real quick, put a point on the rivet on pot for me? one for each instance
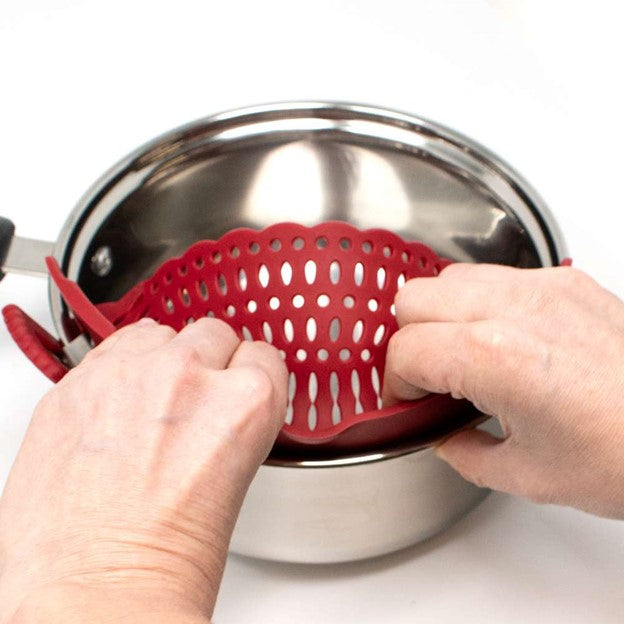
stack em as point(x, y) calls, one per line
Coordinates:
point(102, 261)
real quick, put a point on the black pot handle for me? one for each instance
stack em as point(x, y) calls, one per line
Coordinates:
point(7, 229)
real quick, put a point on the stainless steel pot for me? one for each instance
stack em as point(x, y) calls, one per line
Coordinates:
point(307, 162)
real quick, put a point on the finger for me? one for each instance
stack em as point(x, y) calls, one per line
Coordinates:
point(460, 297)
point(213, 340)
point(396, 388)
point(140, 337)
point(479, 457)
point(481, 272)
point(497, 464)
point(492, 363)
point(262, 355)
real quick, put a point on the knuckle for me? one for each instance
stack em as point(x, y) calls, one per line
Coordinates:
point(215, 326)
point(537, 297)
point(165, 331)
point(491, 338)
point(457, 269)
point(574, 278)
point(270, 355)
point(259, 348)
point(254, 396)
point(128, 330)
point(506, 345)
point(180, 358)
point(258, 386)
point(154, 333)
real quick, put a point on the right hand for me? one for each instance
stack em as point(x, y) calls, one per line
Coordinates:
point(542, 350)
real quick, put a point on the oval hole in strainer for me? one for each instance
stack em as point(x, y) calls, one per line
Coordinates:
point(309, 271)
point(292, 390)
point(355, 388)
point(379, 334)
point(242, 279)
point(289, 331)
point(376, 384)
point(358, 330)
point(358, 273)
point(334, 390)
point(286, 273)
point(221, 284)
point(334, 272)
point(185, 297)
point(381, 278)
point(311, 329)
point(263, 275)
point(334, 329)
point(202, 290)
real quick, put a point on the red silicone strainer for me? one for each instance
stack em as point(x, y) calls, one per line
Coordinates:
point(322, 295)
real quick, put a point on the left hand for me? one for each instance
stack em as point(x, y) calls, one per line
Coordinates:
point(125, 491)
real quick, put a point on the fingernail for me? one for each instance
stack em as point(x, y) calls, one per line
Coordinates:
point(439, 451)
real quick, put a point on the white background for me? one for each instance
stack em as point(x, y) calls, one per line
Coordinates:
point(541, 83)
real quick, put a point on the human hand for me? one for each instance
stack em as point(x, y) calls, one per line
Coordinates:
point(540, 349)
point(124, 494)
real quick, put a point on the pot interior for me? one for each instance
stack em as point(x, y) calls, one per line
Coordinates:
point(363, 168)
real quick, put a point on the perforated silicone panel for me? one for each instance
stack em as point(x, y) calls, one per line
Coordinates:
point(323, 296)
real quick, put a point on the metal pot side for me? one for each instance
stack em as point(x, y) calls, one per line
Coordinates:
point(350, 512)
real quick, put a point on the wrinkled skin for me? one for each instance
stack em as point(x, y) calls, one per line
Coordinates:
point(543, 351)
point(127, 486)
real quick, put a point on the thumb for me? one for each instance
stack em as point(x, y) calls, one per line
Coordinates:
point(479, 457)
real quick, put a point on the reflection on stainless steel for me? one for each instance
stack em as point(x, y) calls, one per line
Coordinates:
point(289, 177)
point(327, 515)
point(77, 349)
point(312, 162)
point(316, 162)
